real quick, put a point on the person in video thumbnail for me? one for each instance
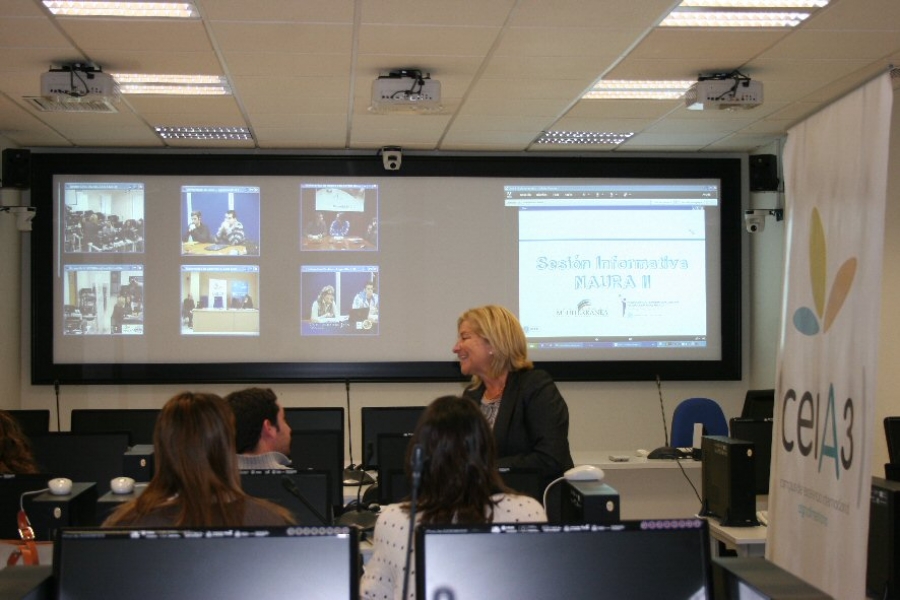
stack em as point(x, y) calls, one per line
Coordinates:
point(197, 231)
point(231, 231)
point(367, 298)
point(528, 414)
point(187, 310)
point(323, 307)
point(120, 310)
point(340, 227)
point(317, 227)
point(246, 302)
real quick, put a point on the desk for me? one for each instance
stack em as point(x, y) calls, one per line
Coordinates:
point(746, 541)
point(203, 249)
point(335, 243)
point(222, 320)
point(649, 489)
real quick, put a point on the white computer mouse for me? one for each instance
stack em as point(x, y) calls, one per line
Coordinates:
point(121, 485)
point(60, 486)
point(584, 473)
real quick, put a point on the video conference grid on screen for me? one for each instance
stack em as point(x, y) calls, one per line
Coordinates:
point(623, 268)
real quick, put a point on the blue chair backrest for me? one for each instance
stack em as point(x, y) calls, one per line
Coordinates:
point(697, 410)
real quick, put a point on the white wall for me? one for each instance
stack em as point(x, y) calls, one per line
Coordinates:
point(604, 415)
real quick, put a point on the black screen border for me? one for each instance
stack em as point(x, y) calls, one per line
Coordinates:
point(45, 371)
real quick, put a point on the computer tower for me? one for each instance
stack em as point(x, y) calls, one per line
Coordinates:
point(48, 512)
point(137, 462)
point(728, 480)
point(589, 502)
point(884, 540)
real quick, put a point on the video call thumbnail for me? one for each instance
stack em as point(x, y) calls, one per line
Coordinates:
point(339, 217)
point(339, 300)
point(220, 299)
point(103, 300)
point(103, 217)
point(220, 220)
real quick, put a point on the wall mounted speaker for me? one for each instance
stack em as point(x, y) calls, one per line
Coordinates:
point(763, 173)
point(16, 168)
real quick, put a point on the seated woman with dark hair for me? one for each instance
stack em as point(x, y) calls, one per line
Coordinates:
point(196, 482)
point(16, 456)
point(460, 484)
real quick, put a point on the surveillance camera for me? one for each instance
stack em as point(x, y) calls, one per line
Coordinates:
point(391, 156)
point(755, 220)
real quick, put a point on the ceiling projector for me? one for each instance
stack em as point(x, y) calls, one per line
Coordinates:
point(724, 94)
point(406, 91)
point(78, 83)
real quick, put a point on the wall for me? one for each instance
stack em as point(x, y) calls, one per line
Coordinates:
point(604, 415)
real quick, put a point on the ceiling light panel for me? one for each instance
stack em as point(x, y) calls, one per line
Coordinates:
point(583, 138)
point(173, 85)
point(620, 89)
point(742, 13)
point(204, 133)
point(125, 9)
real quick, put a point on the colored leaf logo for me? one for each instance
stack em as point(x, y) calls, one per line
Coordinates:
point(809, 321)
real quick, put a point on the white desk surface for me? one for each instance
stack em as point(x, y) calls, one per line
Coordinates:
point(601, 458)
point(746, 541)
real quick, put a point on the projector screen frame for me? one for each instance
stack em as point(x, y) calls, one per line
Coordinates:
point(729, 169)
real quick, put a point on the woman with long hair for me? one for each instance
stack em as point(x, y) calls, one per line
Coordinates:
point(460, 484)
point(16, 456)
point(196, 481)
point(323, 306)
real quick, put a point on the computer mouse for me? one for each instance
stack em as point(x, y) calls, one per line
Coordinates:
point(584, 473)
point(60, 486)
point(121, 485)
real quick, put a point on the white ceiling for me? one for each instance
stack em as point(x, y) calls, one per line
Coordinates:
point(302, 72)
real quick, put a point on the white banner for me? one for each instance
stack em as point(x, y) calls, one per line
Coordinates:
point(835, 170)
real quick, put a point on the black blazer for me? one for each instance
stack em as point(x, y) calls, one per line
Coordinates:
point(532, 427)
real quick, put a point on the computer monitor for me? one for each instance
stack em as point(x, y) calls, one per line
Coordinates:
point(321, 450)
point(82, 457)
point(138, 422)
point(638, 560)
point(264, 563)
point(377, 420)
point(758, 431)
point(285, 487)
point(393, 485)
point(11, 489)
point(32, 422)
point(892, 434)
point(307, 418)
point(758, 404)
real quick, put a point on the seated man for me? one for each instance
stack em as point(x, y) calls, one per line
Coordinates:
point(263, 436)
point(231, 231)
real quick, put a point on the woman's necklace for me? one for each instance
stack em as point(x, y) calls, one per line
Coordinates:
point(486, 397)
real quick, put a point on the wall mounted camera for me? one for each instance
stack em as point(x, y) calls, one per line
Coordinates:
point(755, 219)
point(391, 156)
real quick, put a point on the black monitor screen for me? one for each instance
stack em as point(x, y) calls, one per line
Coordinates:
point(892, 434)
point(11, 489)
point(758, 404)
point(316, 418)
point(637, 560)
point(307, 494)
point(758, 431)
point(392, 483)
point(259, 563)
point(321, 451)
point(377, 420)
point(32, 422)
point(82, 457)
point(138, 422)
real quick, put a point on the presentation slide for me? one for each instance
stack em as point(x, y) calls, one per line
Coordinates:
point(291, 269)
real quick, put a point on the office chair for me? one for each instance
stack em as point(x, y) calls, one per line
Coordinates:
point(697, 410)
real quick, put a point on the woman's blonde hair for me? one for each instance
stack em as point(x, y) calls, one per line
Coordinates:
point(504, 333)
